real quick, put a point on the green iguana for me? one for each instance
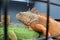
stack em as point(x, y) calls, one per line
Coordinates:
point(37, 22)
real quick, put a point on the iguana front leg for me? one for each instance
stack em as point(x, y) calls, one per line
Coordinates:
point(39, 28)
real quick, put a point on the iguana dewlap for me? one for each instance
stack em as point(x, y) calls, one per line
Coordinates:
point(38, 22)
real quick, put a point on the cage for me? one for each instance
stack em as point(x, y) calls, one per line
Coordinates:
point(10, 8)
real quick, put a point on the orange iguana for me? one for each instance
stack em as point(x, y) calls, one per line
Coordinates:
point(37, 22)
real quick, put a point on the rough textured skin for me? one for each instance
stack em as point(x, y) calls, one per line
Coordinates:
point(40, 23)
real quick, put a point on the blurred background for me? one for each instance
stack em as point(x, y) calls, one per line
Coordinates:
point(15, 6)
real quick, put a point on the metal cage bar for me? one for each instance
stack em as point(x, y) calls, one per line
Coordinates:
point(52, 3)
point(5, 6)
point(47, 21)
point(0, 9)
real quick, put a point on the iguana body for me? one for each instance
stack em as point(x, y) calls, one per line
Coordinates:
point(37, 22)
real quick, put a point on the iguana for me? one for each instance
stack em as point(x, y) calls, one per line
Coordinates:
point(37, 22)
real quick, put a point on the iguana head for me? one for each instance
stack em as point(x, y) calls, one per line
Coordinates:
point(27, 16)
